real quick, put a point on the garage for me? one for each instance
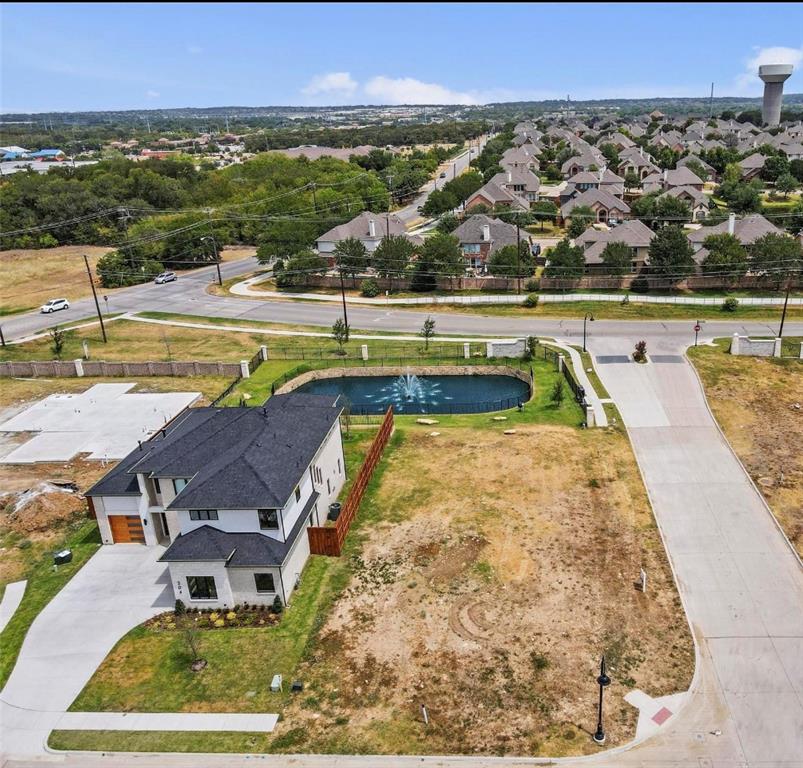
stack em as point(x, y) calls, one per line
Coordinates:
point(126, 529)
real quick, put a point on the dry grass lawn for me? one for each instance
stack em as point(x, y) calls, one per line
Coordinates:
point(501, 568)
point(29, 277)
point(758, 402)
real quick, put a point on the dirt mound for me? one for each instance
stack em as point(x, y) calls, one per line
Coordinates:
point(42, 507)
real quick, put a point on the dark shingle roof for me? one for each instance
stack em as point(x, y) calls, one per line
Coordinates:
point(236, 458)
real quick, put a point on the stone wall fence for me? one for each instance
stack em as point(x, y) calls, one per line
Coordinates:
point(79, 368)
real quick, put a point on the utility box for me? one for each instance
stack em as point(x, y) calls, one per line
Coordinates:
point(65, 556)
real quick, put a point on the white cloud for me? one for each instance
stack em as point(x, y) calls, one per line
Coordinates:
point(749, 82)
point(408, 90)
point(152, 94)
point(339, 83)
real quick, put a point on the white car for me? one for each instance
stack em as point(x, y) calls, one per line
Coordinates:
point(165, 277)
point(54, 305)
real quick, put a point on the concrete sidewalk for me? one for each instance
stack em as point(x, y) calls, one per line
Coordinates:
point(166, 721)
point(12, 597)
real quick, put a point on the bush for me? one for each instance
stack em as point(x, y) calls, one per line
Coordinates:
point(532, 285)
point(24, 544)
point(277, 606)
point(531, 300)
point(640, 284)
point(369, 288)
point(640, 353)
point(730, 304)
point(556, 396)
point(180, 609)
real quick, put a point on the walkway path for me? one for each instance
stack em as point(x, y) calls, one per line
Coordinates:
point(12, 597)
point(166, 721)
point(592, 398)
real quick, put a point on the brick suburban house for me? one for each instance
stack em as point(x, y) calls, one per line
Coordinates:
point(481, 236)
point(230, 493)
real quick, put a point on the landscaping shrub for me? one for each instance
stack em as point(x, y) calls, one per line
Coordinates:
point(532, 285)
point(730, 304)
point(640, 284)
point(277, 606)
point(369, 288)
point(556, 396)
point(180, 608)
point(640, 353)
point(531, 300)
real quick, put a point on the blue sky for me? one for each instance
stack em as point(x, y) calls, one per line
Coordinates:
point(127, 56)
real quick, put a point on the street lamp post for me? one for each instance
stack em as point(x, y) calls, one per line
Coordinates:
point(604, 681)
point(588, 316)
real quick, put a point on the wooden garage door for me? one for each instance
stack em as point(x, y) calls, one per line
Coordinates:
point(126, 529)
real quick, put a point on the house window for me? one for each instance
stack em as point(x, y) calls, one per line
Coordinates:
point(268, 519)
point(328, 487)
point(471, 247)
point(264, 582)
point(179, 484)
point(156, 485)
point(202, 587)
point(339, 470)
point(298, 493)
point(203, 514)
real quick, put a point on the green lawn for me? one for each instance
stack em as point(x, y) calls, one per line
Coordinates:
point(43, 584)
point(591, 372)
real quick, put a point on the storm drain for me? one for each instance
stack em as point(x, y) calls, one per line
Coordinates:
point(605, 359)
point(666, 358)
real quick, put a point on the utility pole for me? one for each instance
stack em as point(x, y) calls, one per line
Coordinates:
point(217, 257)
point(518, 255)
point(785, 303)
point(711, 103)
point(95, 297)
point(124, 217)
point(343, 296)
point(314, 199)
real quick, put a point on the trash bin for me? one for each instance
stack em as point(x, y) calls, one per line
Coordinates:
point(334, 510)
point(65, 556)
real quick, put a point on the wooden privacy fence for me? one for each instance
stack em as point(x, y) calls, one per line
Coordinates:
point(329, 540)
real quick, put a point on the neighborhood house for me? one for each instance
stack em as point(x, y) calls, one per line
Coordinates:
point(230, 492)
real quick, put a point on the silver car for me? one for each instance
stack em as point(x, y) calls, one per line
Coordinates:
point(165, 277)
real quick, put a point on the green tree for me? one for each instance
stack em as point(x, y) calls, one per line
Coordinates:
point(565, 260)
point(671, 253)
point(427, 331)
point(581, 216)
point(742, 197)
point(543, 210)
point(392, 257)
point(617, 257)
point(732, 174)
point(669, 208)
point(57, 341)
point(632, 180)
point(443, 253)
point(796, 169)
point(774, 167)
point(556, 394)
point(726, 256)
point(340, 333)
point(351, 257)
point(298, 269)
point(786, 183)
point(776, 254)
point(504, 263)
point(447, 223)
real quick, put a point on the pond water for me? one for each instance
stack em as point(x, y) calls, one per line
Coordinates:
point(424, 394)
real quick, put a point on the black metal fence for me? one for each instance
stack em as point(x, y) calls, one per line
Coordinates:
point(375, 351)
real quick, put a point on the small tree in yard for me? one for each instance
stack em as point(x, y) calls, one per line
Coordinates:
point(556, 396)
point(427, 331)
point(277, 606)
point(57, 338)
point(786, 183)
point(640, 353)
point(189, 632)
point(340, 333)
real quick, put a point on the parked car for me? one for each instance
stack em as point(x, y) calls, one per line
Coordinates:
point(165, 277)
point(54, 305)
point(443, 174)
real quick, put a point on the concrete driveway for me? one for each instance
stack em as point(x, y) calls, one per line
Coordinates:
point(740, 580)
point(120, 587)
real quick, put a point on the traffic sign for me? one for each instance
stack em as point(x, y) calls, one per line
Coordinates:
point(697, 328)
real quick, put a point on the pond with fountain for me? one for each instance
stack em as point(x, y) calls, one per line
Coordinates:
point(411, 393)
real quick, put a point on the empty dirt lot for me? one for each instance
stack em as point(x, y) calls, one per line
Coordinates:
point(758, 402)
point(500, 569)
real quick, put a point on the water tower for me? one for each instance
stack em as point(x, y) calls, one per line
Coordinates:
point(774, 76)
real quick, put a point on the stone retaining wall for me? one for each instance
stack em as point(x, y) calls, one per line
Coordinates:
point(78, 368)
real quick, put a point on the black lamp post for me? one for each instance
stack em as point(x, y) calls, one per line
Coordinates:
point(588, 316)
point(604, 681)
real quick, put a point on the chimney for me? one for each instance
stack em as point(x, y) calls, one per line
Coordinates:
point(731, 223)
point(371, 228)
point(601, 174)
point(666, 175)
point(509, 177)
point(641, 151)
point(486, 232)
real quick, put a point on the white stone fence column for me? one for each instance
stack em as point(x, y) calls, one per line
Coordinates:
point(244, 372)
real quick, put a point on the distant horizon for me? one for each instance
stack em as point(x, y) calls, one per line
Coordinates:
point(112, 57)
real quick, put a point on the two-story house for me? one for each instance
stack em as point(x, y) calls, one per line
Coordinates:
point(480, 236)
point(230, 493)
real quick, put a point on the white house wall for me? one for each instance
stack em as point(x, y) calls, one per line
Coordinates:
point(179, 571)
point(294, 563)
point(243, 586)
